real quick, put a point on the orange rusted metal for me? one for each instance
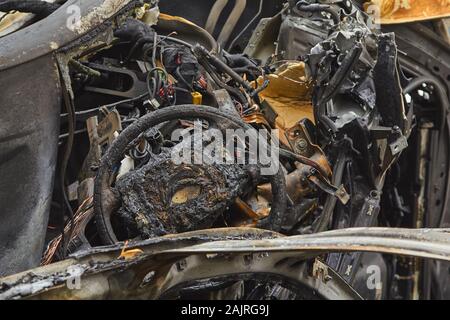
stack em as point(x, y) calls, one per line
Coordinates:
point(403, 11)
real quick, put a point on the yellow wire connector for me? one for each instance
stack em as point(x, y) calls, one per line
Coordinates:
point(197, 98)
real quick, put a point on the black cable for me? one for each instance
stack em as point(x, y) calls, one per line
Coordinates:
point(64, 164)
point(85, 114)
point(317, 7)
point(234, 91)
point(203, 54)
point(178, 73)
point(178, 41)
point(40, 8)
point(157, 81)
point(66, 135)
point(154, 44)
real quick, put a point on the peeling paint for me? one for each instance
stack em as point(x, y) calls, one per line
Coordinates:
point(99, 14)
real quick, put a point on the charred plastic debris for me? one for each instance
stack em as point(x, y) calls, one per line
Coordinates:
point(362, 116)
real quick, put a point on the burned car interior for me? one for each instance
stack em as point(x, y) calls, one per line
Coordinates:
point(225, 150)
